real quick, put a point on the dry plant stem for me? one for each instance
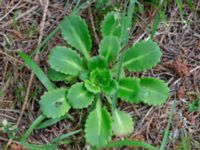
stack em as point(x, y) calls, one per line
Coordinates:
point(6, 140)
point(20, 16)
point(93, 26)
point(32, 74)
point(11, 57)
point(11, 10)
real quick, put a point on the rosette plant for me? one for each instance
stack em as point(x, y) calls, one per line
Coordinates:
point(99, 81)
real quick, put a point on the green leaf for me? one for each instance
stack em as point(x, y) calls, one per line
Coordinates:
point(75, 31)
point(114, 70)
point(109, 47)
point(84, 75)
point(98, 127)
point(53, 103)
point(114, 24)
point(111, 88)
point(153, 91)
point(141, 56)
point(58, 76)
point(55, 75)
point(128, 89)
point(91, 87)
point(65, 60)
point(192, 106)
point(97, 62)
point(101, 77)
point(122, 123)
point(79, 97)
point(37, 71)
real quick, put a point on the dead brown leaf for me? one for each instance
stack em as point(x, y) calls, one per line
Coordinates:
point(139, 138)
point(179, 67)
point(181, 92)
point(16, 147)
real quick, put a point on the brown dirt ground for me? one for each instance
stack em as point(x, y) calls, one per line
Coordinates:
point(179, 67)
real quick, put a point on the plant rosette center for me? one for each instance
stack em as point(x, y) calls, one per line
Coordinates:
point(100, 80)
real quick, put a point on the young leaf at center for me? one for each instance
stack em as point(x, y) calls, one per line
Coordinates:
point(101, 77)
point(97, 62)
point(90, 86)
point(111, 88)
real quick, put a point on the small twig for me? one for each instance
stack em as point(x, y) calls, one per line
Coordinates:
point(32, 74)
point(197, 35)
point(4, 139)
point(19, 17)
point(7, 116)
point(41, 2)
point(11, 57)
point(93, 26)
point(13, 8)
point(9, 110)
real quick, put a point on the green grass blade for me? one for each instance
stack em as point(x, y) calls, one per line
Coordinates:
point(189, 2)
point(37, 71)
point(180, 7)
point(52, 121)
point(130, 143)
point(184, 142)
point(33, 126)
point(166, 134)
point(64, 136)
point(131, 9)
point(45, 41)
point(155, 24)
point(161, 10)
point(38, 147)
point(82, 6)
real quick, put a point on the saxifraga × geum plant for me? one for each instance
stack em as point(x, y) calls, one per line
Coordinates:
point(100, 80)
